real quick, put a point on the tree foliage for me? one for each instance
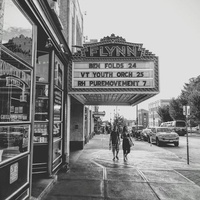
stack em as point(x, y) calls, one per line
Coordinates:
point(176, 109)
point(190, 95)
point(119, 121)
point(163, 112)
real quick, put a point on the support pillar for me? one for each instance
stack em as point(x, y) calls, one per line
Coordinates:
point(77, 139)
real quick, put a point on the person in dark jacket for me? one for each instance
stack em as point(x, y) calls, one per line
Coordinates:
point(115, 142)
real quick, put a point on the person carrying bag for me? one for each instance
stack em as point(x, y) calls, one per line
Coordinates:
point(126, 143)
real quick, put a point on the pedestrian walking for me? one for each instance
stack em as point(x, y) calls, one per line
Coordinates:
point(126, 143)
point(114, 142)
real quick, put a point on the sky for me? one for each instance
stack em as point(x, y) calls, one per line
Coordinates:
point(170, 29)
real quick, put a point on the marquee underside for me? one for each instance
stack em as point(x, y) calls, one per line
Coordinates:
point(128, 99)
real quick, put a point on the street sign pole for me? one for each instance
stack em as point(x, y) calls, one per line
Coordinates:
point(186, 112)
point(187, 140)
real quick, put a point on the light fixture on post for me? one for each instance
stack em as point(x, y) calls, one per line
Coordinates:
point(48, 43)
point(62, 48)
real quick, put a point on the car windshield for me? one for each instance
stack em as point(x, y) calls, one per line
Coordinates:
point(163, 130)
point(180, 124)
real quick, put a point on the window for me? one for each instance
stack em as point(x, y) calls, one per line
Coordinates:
point(17, 34)
point(180, 124)
point(15, 81)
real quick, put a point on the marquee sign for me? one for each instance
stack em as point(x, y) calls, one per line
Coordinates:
point(113, 72)
point(135, 74)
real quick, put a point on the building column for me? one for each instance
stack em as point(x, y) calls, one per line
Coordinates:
point(67, 129)
point(77, 125)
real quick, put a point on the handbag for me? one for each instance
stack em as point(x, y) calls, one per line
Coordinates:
point(130, 142)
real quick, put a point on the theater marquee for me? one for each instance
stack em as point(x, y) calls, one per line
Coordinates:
point(136, 74)
point(113, 72)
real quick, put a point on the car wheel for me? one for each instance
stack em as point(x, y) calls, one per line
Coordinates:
point(176, 144)
point(158, 142)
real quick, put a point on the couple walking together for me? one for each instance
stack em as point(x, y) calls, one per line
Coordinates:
point(115, 142)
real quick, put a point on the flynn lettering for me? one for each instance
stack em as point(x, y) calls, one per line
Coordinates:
point(113, 51)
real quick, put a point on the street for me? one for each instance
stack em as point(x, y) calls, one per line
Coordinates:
point(181, 151)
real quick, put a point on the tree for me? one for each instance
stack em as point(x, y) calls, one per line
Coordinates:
point(190, 95)
point(194, 99)
point(163, 112)
point(176, 109)
point(119, 121)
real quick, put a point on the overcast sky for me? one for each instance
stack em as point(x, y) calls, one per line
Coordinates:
point(168, 28)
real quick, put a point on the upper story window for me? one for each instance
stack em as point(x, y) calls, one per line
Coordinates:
point(17, 31)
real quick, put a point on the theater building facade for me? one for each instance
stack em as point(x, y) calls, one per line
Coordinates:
point(34, 57)
point(47, 88)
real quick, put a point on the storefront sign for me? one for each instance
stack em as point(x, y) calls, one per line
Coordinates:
point(13, 173)
point(8, 70)
point(137, 74)
point(58, 97)
point(11, 81)
point(58, 77)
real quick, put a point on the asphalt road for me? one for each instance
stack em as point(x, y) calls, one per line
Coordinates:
point(181, 150)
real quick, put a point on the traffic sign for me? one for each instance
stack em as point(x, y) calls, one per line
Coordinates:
point(186, 110)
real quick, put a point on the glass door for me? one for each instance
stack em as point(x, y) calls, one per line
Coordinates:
point(58, 113)
point(41, 126)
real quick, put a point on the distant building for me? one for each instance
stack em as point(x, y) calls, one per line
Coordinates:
point(143, 117)
point(130, 122)
point(154, 118)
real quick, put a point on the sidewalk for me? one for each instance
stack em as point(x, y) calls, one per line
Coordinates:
point(151, 173)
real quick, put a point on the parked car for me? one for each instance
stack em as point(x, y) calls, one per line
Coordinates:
point(145, 134)
point(136, 130)
point(161, 135)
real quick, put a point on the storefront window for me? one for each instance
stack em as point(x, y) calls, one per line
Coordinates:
point(42, 84)
point(15, 77)
point(41, 127)
point(58, 77)
point(57, 105)
point(15, 80)
point(41, 103)
point(57, 130)
point(41, 133)
point(13, 141)
point(15, 83)
point(17, 32)
point(58, 95)
point(58, 89)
